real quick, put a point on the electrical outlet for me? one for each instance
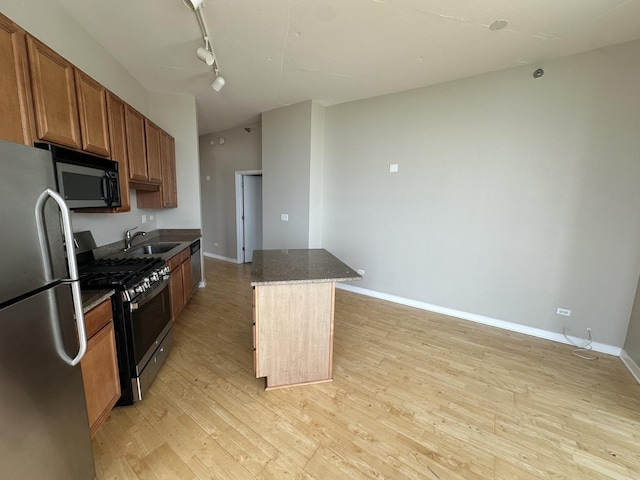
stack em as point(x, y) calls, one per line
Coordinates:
point(393, 168)
point(563, 311)
point(151, 217)
point(215, 244)
point(360, 272)
point(284, 217)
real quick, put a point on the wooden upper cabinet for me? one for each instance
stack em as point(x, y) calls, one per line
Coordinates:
point(154, 162)
point(136, 148)
point(169, 188)
point(92, 109)
point(167, 197)
point(118, 146)
point(16, 118)
point(54, 94)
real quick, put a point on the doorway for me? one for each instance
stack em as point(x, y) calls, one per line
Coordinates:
point(248, 214)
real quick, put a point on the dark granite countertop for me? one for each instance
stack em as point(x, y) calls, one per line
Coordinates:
point(183, 239)
point(93, 298)
point(279, 267)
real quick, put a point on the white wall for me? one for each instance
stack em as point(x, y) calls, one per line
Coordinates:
point(241, 151)
point(50, 23)
point(514, 196)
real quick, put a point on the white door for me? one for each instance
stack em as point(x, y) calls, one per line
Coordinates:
point(252, 214)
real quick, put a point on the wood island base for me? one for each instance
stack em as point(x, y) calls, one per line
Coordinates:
point(293, 333)
point(293, 307)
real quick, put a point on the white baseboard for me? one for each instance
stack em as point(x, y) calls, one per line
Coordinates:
point(514, 327)
point(220, 257)
point(630, 364)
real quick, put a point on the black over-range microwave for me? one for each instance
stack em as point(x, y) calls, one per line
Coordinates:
point(84, 180)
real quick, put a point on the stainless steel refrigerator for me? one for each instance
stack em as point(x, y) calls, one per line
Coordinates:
point(44, 431)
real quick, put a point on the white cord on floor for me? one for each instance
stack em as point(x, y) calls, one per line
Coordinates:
point(581, 348)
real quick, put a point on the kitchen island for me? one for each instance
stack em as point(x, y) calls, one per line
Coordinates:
point(293, 308)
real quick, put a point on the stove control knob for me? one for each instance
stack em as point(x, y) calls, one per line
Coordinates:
point(140, 288)
point(154, 277)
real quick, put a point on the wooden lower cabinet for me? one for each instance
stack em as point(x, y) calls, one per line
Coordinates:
point(100, 366)
point(179, 281)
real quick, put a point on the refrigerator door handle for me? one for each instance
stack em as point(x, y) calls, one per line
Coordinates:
point(71, 262)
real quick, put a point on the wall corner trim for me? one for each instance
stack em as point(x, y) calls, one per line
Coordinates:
point(513, 327)
point(630, 364)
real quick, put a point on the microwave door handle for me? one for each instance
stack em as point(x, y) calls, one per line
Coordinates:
point(106, 189)
point(71, 262)
point(112, 190)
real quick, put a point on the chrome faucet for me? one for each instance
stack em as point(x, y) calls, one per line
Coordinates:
point(128, 238)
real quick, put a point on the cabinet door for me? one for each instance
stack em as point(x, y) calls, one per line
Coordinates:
point(154, 162)
point(136, 149)
point(118, 146)
point(16, 121)
point(100, 376)
point(176, 295)
point(167, 197)
point(169, 186)
point(54, 94)
point(186, 280)
point(92, 109)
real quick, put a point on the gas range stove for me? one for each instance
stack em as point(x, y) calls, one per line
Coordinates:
point(141, 311)
point(129, 275)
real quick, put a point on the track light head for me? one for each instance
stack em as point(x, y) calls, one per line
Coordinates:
point(205, 55)
point(192, 5)
point(218, 83)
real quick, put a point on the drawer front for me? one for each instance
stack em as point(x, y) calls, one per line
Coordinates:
point(98, 317)
point(174, 262)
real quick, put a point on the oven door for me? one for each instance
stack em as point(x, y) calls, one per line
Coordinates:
point(150, 319)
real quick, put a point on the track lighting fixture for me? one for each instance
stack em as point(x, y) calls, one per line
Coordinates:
point(192, 5)
point(205, 53)
point(218, 82)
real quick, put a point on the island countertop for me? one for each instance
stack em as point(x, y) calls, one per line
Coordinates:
point(279, 267)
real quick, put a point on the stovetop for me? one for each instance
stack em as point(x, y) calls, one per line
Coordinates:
point(118, 273)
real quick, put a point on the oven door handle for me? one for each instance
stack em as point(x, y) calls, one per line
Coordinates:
point(140, 300)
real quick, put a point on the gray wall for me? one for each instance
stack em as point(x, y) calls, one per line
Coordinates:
point(240, 151)
point(286, 153)
point(514, 196)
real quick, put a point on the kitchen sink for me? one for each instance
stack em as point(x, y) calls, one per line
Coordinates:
point(153, 249)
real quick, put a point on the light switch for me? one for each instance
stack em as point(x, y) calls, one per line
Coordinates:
point(393, 168)
point(208, 178)
point(284, 217)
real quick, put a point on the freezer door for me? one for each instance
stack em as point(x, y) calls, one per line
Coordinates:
point(26, 172)
point(45, 431)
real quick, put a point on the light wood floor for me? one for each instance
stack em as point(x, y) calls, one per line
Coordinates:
point(415, 395)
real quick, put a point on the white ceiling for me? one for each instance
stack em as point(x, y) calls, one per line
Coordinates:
point(280, 52)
